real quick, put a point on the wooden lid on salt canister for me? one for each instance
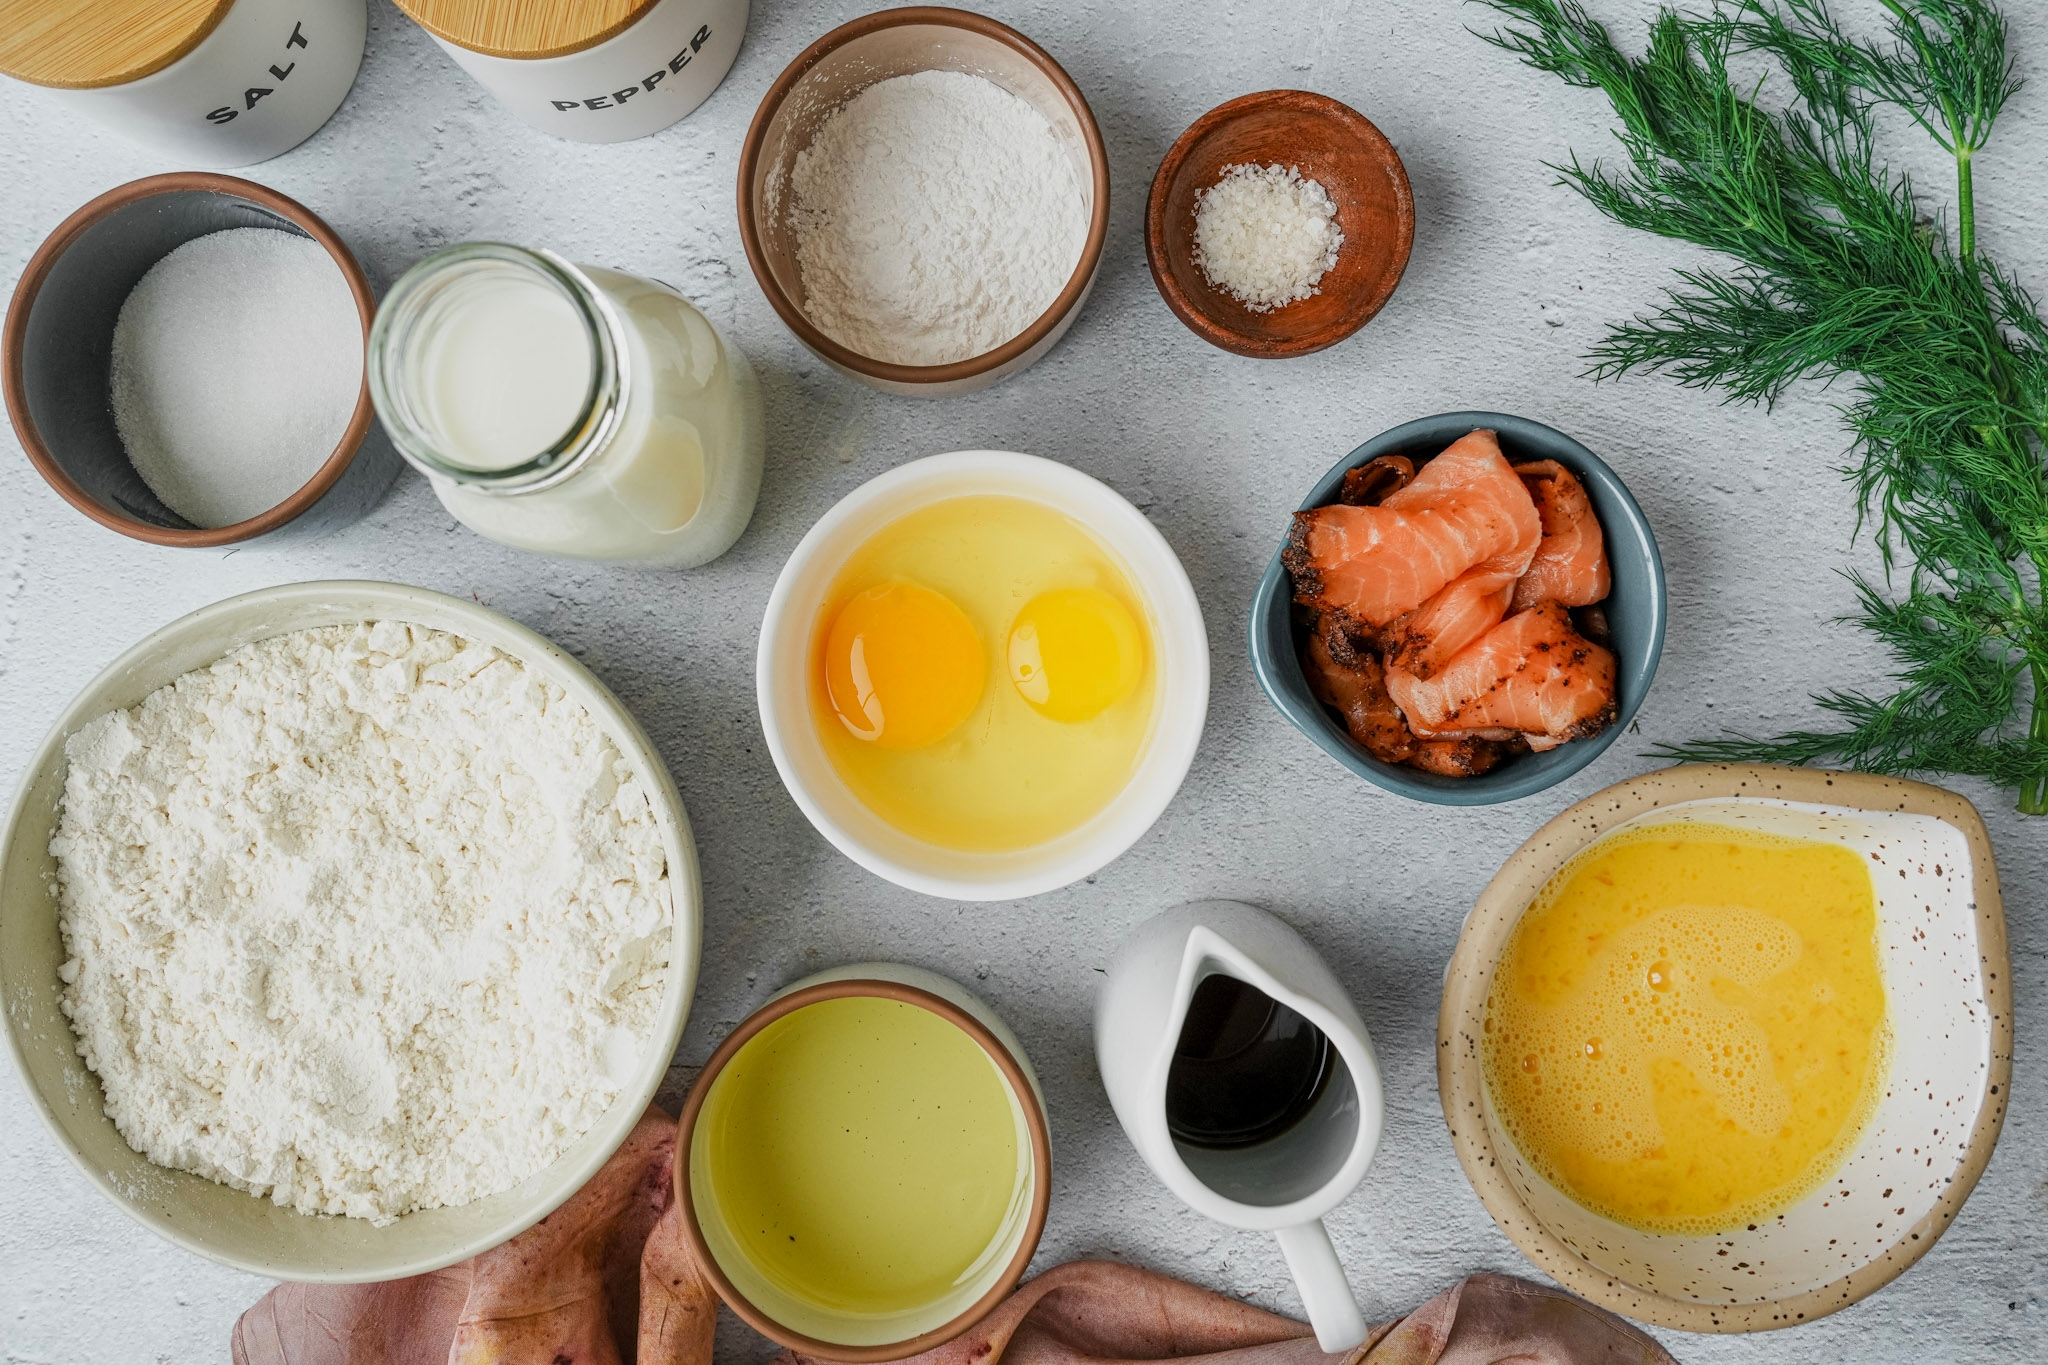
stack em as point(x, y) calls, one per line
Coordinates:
point(525, 30)
point(87, 44)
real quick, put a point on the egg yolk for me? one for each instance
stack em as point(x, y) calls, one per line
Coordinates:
point(903, 666)
point(1074, 652)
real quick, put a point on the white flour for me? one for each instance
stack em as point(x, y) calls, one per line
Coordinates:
point(366, 918)
point(936, 217)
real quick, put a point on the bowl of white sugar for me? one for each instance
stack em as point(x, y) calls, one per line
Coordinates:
point(923, 197)
point(346, 929)
point(183, 363)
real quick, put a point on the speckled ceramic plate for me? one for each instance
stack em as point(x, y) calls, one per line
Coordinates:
point(1941, 938)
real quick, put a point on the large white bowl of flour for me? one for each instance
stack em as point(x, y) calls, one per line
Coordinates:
point(231, 1225)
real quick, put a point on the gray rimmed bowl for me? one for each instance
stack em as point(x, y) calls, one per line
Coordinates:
point(1636, 609)
point(228, 1225)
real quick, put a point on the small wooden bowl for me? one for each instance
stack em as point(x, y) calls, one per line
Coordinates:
point(1330, 143)
point(860, 53)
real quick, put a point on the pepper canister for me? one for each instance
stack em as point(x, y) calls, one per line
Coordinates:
point(209, 82)
point(595, 70)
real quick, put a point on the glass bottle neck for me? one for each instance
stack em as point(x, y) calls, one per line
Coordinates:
point(497, 367)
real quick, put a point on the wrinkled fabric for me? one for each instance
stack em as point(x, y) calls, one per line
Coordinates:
point(609, 1279)
point(607, 1272)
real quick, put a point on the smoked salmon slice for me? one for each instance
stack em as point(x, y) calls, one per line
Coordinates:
point(1355, 685)
point(1372, 564)
point(1533, 674)
point(1462, 757)
point(1570, 564)
point(1424, 640)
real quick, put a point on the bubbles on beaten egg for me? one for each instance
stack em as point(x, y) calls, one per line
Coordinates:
point(903, 665)
point(1660, 994)
point(1687, 1026)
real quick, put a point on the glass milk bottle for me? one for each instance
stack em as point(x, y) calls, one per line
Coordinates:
point(567, 409)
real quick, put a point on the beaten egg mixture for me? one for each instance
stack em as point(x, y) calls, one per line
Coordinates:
point(1687, 1031)
point(983, 674)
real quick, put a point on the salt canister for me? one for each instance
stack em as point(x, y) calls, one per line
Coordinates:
point(591, 70)
point(209, 82)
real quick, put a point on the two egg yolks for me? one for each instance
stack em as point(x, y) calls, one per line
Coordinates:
point(904, 666)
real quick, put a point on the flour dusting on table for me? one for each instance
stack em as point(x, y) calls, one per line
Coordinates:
point(367, 919)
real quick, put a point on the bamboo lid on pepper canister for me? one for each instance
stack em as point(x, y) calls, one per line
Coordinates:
point(89, 44)
point(525, 30)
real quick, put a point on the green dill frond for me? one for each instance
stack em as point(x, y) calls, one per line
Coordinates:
point(1838, 274)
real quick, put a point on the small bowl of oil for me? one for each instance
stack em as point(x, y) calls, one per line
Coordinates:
point(821, 1195)
point(983, 675)
point(1725, 1047)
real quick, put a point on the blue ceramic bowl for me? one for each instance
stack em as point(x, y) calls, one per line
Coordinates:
point(1635, 615)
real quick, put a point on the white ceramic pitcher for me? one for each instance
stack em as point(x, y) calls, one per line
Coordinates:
point(1286, 1183)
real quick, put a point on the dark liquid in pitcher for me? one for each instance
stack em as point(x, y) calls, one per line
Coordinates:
point(1246, 1068)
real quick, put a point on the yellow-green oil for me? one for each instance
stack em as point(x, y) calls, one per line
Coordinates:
point(863, 1153)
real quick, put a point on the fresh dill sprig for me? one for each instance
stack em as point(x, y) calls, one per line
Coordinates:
point(1835, 274)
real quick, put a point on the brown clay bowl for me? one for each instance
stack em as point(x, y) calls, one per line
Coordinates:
point(56, 351)
point(843, 1332)
point(1328, 142)
point(876, 47)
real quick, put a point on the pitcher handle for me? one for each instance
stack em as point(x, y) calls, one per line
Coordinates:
point(1325, 1293)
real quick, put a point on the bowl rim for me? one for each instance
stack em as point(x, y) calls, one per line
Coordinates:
point(1207, 328)
point(1460, 1073)
point(1069, 298)
point(14, 334)
point(1274, 593)
point(1020, 1084)
point(679, 843)
point(1176, 741)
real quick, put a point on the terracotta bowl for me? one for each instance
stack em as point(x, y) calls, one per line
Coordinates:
point(840, 1332)
point(1947, 981)
point(876, 47)
point(57, 346)
point(1328, 142)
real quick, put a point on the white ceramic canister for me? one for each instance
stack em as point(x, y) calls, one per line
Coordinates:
point(593, 70)
point(211, 83)
point(569, 410)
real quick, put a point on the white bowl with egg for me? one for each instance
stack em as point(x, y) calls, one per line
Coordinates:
point(1942, 958)
point(1179, 642)
point(215, 1220)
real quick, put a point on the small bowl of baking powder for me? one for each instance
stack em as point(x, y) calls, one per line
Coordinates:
point(924, 196)
point(1279, 223)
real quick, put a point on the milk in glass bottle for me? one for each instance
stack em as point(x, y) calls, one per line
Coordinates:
point(570, 410)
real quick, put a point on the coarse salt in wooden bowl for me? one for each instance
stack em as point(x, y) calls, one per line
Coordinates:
point(1328, 142)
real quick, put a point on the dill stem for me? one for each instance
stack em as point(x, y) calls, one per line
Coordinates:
point(2034, 792)
point(1966, 211)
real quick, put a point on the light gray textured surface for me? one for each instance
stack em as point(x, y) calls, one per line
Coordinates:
point(1511, 281)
